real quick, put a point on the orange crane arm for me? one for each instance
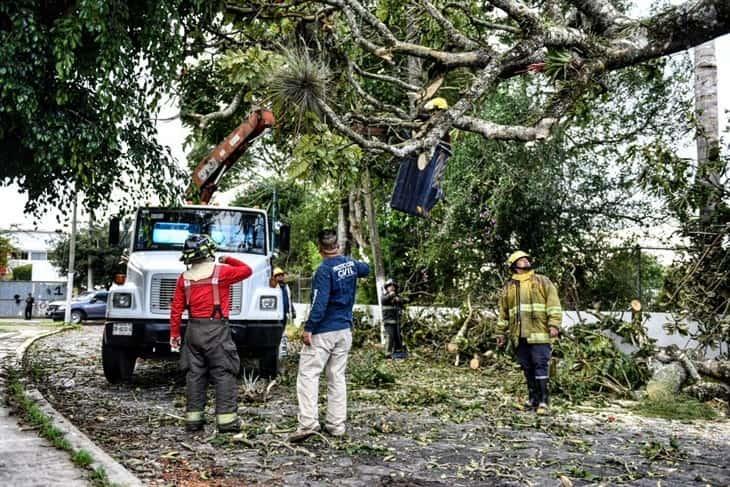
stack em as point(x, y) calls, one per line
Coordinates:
point(211, 169)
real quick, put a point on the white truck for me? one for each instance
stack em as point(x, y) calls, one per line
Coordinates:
point(138, 310)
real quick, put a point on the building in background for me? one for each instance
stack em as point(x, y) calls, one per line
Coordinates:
point(32, 248)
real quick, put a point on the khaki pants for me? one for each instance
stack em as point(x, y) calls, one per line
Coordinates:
point(328, 352)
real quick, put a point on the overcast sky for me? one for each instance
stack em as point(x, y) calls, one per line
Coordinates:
point(172, 134)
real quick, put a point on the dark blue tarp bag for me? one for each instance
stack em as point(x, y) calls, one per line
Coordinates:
point(418, 187)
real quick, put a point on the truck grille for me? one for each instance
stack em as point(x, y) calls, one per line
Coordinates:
point(163, 290)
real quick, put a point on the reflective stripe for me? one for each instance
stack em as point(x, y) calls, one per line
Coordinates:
point(226, 418)
point(554, 309)
point(538, 338)
point(533, 307)
point(528, 308)
point(191, 416)
point(542, 377)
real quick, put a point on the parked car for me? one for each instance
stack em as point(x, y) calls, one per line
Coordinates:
point(52, 307)
point(90, 305)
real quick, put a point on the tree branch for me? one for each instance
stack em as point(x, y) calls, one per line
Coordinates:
point(673, 30)
point(371, 99)
point(457, 37)
point(603, 15)
point(386, 78)
point(204, 120)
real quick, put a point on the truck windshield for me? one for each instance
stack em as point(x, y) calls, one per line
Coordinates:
point(232, 231)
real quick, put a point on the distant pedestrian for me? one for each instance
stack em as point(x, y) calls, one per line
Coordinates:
point(208, 352)
point(327, 339)
point(29, 306)
point(530, 316)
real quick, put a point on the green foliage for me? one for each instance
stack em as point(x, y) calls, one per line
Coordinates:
point(23, 273)
point(613, 283)
point(82, 458)
point(81, 85)
point(587, 361)
point(6, 248)
point(368, 370)
point(364, 332)
point(90, 244)
point(680, 407)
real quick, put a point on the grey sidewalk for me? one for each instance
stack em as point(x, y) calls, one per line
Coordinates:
point(25, 458)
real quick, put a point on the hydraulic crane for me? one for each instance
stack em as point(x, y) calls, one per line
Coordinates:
point(211, 169)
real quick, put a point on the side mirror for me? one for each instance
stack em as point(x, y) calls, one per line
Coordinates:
point(283, 242)
point(114, 231)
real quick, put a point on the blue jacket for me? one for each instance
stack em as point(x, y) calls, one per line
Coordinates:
point(333, 294)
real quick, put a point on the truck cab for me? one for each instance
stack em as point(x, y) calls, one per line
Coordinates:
point(138, 310)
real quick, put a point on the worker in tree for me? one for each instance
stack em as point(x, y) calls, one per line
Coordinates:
point(278, 279)
point(29, 306)
point(392, 314)
point(208, 350)
point(327, 339)
point(530, 316)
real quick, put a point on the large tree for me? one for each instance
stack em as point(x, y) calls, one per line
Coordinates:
point(80, 84)
point(473, 47)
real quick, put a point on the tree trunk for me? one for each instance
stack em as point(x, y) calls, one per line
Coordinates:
point(708, 145)
point(343, 226)
point(706, 391)
point(719, 369)
point(666, 381)
point(356, 219)
point(375, 246)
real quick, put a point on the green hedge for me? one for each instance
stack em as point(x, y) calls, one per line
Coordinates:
point(23, 273)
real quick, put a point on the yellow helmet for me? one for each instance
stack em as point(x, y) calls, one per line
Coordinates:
point(437, 103)
point(278, 270)
point(517, 255)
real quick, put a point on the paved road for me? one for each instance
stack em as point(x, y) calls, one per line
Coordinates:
point(26, 459)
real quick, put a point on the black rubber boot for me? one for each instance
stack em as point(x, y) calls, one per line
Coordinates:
point(193, 426)
point(230, 427)
point(544, 396)
point(534, 398)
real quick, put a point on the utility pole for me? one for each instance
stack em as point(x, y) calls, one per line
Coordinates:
point(71, 262)
point(90, 258)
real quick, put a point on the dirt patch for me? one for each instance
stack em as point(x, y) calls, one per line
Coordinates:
point(437, 425)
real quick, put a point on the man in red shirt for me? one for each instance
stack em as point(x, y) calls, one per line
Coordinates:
point(208, 350)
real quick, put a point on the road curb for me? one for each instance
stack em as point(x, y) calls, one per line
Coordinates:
point(116, 472)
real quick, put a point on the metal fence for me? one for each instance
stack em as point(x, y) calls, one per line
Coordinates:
point(301, 288)
point(13, 294)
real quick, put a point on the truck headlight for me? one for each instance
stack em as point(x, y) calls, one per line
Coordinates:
point(267, 303)
point(122, 300)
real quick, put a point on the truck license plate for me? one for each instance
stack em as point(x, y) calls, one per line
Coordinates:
point(122, 329)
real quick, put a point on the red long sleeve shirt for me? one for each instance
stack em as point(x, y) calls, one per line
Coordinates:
point(201, 296)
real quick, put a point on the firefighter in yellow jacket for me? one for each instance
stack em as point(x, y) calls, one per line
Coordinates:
point(530, 316)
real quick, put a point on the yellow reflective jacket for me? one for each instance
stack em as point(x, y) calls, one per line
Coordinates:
point(528, 307)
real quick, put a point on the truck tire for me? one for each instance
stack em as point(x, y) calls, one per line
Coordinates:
point(269, 363)
point(118, 364)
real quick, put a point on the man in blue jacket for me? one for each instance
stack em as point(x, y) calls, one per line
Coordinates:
point(327, 339)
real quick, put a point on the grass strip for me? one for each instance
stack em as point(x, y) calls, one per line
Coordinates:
point(32, 414)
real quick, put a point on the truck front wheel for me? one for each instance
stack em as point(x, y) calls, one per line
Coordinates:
point(269, 363)
point(118, 364)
